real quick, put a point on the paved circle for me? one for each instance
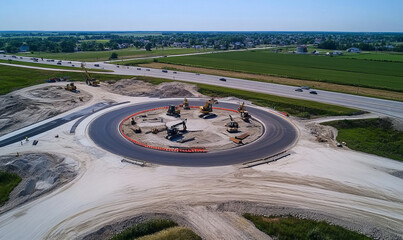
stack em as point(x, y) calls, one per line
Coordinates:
point(279, 134)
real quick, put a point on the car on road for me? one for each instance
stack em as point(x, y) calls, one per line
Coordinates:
point(20, 57)
point(14, 56)
point(164, 71)
point(59, 63)
point(223, 79)
point(175, 72)
point(313, 92)
point(72, 65)
point(299, 90)
point(197, 73)
point(69, 62)
point(138, 68)
point(96, 65)
point(305, 87)
point(148, 70)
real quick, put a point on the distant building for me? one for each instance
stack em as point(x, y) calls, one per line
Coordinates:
point(354, 50)
point(24, 48)
point(302, 49)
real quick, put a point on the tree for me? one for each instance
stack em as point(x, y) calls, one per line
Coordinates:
point(114, 55)
point(148, 47)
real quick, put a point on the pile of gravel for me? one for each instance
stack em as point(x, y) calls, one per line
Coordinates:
point(40, 173)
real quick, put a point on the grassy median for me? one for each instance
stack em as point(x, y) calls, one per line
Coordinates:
point(374, 136)
point(296, 107)
point(290, 228)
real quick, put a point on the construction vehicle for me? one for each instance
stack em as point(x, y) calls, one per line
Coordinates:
point(244, 114)
point(157, 130)
point(173, 111)
point(174, 132)
point(207, 109)
point(186, 104)
point(71, 87)
point(90, 81)
point(232, 126)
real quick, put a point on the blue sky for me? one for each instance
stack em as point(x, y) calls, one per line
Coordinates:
point(203, 15)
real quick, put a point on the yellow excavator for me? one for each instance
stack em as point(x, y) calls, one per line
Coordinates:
point(90, 81)
point(232, 126)
point(244, 114)
point(186, 104)
point(71, 87)
point(207, 109)
point(173, 111)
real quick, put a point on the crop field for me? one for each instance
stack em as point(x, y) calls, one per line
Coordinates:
point(381, 56)
point(104, 55)
point(356, 72)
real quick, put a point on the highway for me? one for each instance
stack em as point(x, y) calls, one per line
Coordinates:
point(380, 106)
point(279, 135)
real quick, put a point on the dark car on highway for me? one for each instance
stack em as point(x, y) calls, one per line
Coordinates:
point(298, 90)
point(223, 79)
point(313, 92)
point(164, 71)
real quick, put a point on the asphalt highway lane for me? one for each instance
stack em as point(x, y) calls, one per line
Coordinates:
point(279, 134)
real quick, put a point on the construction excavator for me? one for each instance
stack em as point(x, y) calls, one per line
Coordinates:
point(90, 81)
point(71, 87)
point(186, 104)
point(244, 114)
point(173, 111)
point(174, 132)
point(232, 126)
point(207, 109)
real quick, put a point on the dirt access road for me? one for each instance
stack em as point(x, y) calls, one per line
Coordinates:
point(356, 190)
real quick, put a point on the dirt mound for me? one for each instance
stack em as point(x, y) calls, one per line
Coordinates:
point(22, 108)
point(40, 173)
point(138, 88)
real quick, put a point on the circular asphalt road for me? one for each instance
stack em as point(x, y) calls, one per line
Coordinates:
point(279, 134)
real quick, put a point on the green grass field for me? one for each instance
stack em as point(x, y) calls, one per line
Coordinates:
point(51, 66)
point(104, 55)
point(156, 229)
point(373, 74)
point(8, 181)
point(376, 56)
point(290, 228)
point(13, 78)
point(174, 233)
point(374, 136)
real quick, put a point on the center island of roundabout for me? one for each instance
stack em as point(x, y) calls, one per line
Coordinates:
point(193, 133)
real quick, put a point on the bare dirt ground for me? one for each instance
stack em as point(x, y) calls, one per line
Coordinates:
point(24, 107)
point(359, 191)
point(209, 133)
point(138, 88)
point(40, 173)
point(288, 81)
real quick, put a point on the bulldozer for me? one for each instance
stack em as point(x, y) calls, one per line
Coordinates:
point(71, 87)
point(90, 81)
point(174, 132)
point(186, 104)
point(207, 109)
point(232, 126)
point(173, 111)
point(244, 114)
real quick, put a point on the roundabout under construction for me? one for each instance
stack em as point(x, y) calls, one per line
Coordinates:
point(192, 133)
